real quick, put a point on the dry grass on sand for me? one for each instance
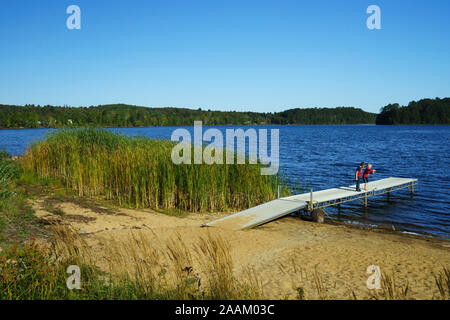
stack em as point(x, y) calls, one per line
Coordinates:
point(285, 259)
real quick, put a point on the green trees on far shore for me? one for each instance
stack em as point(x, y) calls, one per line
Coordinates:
point(121, 115)
point(425, 111)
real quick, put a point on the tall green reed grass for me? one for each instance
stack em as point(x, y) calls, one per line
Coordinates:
point(139, 172)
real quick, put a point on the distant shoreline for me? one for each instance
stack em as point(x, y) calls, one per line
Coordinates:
point(238, 125)
point(206, 125)
point(422, 112)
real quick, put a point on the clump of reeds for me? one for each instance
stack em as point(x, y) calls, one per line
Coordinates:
point(139, 172)
point(218, 264)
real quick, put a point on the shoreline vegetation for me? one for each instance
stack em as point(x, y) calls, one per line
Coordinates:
point(138, 172)
point(425, 111)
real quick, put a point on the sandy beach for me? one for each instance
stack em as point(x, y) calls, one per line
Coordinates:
point(327, 261)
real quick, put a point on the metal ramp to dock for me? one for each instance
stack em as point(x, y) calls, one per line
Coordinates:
point(319, 199)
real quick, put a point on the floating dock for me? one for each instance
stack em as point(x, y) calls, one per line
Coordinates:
point(309, 201)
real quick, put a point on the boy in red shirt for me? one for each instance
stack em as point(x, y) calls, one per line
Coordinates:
point(358, 174)
point(366, 175)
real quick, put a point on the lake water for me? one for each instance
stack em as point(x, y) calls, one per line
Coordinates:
point(326, 156)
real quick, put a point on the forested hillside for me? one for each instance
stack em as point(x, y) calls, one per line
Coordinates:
point(425, 111)
point(121, 115)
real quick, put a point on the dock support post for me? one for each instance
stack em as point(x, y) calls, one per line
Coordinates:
point(365, 200)
point(412, 188)
point(311, 200)
point(318, 215)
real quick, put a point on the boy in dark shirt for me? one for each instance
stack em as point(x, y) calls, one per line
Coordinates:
point(366, 175)
point(358, 175)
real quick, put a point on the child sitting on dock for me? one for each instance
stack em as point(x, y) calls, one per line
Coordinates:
point(368, 171)
point(358, 174)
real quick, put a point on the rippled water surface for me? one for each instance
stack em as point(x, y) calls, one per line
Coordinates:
point(322, 157)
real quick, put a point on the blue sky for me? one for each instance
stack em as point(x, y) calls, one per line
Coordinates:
point(259, 55)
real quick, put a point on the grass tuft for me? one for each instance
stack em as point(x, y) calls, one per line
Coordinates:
point(391, 289)
point(442, 280)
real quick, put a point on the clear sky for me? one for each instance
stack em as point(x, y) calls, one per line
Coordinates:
point(224, 54)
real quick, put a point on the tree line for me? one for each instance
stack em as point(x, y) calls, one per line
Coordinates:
point(121, 115)
point(425, 111)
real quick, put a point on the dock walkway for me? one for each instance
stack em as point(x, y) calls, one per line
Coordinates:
point(313, 200)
